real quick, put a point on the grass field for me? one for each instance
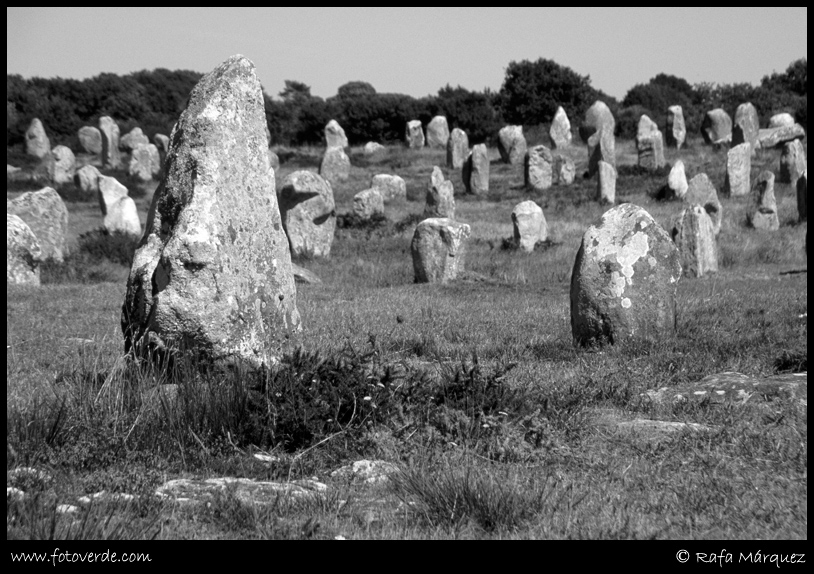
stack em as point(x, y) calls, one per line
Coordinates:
point(499, 425)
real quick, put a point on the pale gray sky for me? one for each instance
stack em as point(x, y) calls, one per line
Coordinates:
point(412, 51)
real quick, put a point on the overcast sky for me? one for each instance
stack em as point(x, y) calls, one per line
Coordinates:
point(411, 51)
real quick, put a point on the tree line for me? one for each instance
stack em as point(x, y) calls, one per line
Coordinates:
point(529, 96)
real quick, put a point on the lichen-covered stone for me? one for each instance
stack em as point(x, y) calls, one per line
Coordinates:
point(122, 216)
point(649, 144)
point(511, 144)
point(309, 213)
point(438, 132)
point(457, 148)
point(745, 126)
point(110, 192)
point(439, 249)
point(676, 128)
point(87, 179)
point(23, 253)
point(695, 239)
point(440, 196)
point(63, 168)
point(373, 148)
point(414, 134)
point(368, 203)
point(701, 191)
point(335, 165)
point(132, 139)
point(762, 213)
point(793, 162)
point(677, 180)
point(335, 135)
point(145, 162)
point(560, 130)
point(392, 187)
point(90, 138)
point(606, 183)
point(36, 141)
point(716, 127)
point(213, 270)
point(738, 169)
point(538, 168)
point(529, 225)
point(623, 286)
point(475, 171)
point(46, 215)
point(601, 147)
point(111, 157)
point(596, 117)
point(781, 120)
point(564, 170)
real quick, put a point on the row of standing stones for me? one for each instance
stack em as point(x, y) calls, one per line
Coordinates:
point(213, 271)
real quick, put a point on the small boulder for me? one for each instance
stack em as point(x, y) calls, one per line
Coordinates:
point(512, 145)
point(368, 203)
point(414, 134)
point(90, 138)
point(762, 212)
point(439, 249)
point(46, 215)
point(23, 253)
point(438, 132)
point(391, 187)
point(529, 225)
point(457, 149)
point(373, 148)
point(560, 130)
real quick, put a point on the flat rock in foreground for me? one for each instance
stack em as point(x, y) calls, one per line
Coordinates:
point(737, 388)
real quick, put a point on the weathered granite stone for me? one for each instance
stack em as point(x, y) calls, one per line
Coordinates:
point(366, 472)
point(23, 253)
point(87, 179)
point(606, 183)
point(475, 171)
point(213, 271)
point(122, 216)
point(372, 148)
point(564, 170)
point(309, 213)
point(414, 135)
point(762, 213)
point(303, 275)
point(63, 168)
point(676, 128)
point(735, 388)
point(457, 148)
point(335, 165)
point(439, 250)
point(745, 126)
point(36, 142)
point(781, 120)
point(253, 493)
point(802, 196)
point(145, 162)
point(438, 132)
point(738, 168)
point(109, 129)
point(701, 191)
point(695, 239)
point(624, 281)
point(368, 203)
point(649, 144)
point(335, 135)
point(162, 142)
point(46, 215)
point(133, 139)
point(511, 144)
point(440, 196)
point(792, 162)
point(391, 187)
point(538, 169)
point(560, 130)
point(716, 127)
point(529, 225)
point(90, 138)
point(776, 137)
point(596, 117)
point(110, 192)
point(677, 180)
point(601, 147)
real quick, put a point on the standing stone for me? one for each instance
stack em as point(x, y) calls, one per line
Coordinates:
point(213, 272)
point(606, 183)
point(529, 225)
point(438, 132)
point(440, 196)
point(781, 120)
point(695, 239)
point(391, 187)
point(745, 126)
point(335, 135)
point(560, 130)
point(511, 144)
point(564, 170)
point(63, 168)
point(802, 197)
point(46, 215)
point(538, 168)
point(90, 138)
point(36, 142)
point(87, 179)
point(457, 149)
point(23, 253)
point(649, 144)
point(132, 139)
point(701, 191)
point(110, 142)
point(162, 142)
point(738, 166)
point(145, 162)
point(676, 129)
point(373, 148)
point(475, 171)
point(414, 135)
point(601, 147)
point(596, 117)
point(677, 180)
point(335, 165)
point(309, 214)
point(110, 192)
point(122, 217)
point(439, 250)
point(623, 286)
point(792, 162)
point(368, 203)
point(762, 213)
point(716, 127)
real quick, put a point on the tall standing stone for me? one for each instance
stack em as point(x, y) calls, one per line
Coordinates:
point(601, 147)
point(745, 126)
point(606, 183)
point(46, 215)
point(440, 196)
point(560, 130)
point(37, 143)
point(529, 225)
point(701, 191)
point(623, 286)
point(716, 127)
point(439, 250)
point(802, 197)
point(512, 144)
point(649, 144)
point(762, 212)
point(391, 187)
point(596, 117)
point(213, 270)
point(23, 253)
point(564, 170)
point(414, 135)
point(677, 180)
point(90, 138)
point(145, 162)
point(676, 129)
point(335, 135)
point(63, 168)
point(335, 165)
point(475, 172)
point(695, 239)
point(457, 148)
point(309, 213)
point(738, 168)
point(538, 167)
point(110, 142)
point(438, 132)
point(132, 139)
point(792, 162)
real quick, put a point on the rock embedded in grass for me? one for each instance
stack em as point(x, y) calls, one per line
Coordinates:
point(439, 249)
point(438, 132)
point(738, 169)
point(694, 237)
point(90, 138)
point(37, 143)
point(457, 148)
point(212, 274)
point(368, 203)
point(676, 129)
point(560, 130)
point(23, 253)
point(700, 190)
point(538, 169)
point(623, 285)
point(47, 216)
point(309, 213)
point(529, 225)
point(762, 212)
point(511, 144)
point(414, 134)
